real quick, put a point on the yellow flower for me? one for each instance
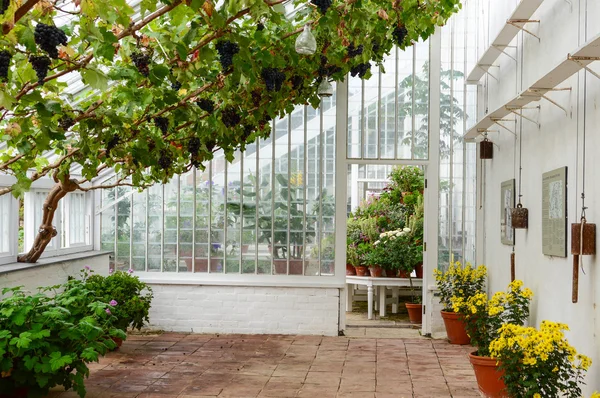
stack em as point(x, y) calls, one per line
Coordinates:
point(537, 395)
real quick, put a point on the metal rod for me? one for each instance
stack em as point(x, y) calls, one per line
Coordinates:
point(555, 103)
point(514, 23)
point(524, 117)
point(504, 127)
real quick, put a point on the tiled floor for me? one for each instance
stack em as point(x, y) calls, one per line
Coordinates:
point(185, 366)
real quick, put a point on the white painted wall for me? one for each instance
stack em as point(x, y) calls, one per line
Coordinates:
point(245, 309)
point(51, 271)
point(556, 144)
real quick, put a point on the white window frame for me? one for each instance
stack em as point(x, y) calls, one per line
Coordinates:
point(13, 231)
point(55, 248)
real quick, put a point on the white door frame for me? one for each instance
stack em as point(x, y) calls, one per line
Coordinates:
point(431, 197)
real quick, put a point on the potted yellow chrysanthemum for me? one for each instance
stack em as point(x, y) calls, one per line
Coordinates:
point(457, 284)
point(484, 318)
point(539, 363)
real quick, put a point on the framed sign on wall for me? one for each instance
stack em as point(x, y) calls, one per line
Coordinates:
point(554, 212)
point(507, 202)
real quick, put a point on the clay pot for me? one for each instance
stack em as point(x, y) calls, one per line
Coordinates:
point(350, 270)
point(489, 377)
point(391, 273)
point(403, 274)
point(202, 265)
point(455, 328)
point(118, 341)
point(376, 271)
point(419, 271)
point(361, 270)
point(415, 312)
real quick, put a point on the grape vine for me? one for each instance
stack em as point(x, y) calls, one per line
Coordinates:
point(49, 37)
point(40, 65)
point(227, 50)
point(5, 58)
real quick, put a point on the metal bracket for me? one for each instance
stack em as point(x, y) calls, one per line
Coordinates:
point(516, 22)
point(570, 4)
point(578, 61)
point(541, 92)
point(498, 120)
point(513, 110)
point(501, 48)
point(487, 70)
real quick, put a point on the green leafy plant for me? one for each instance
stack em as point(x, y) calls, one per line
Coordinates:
point(47, 340)
point(539, 363)
point(459, 282)
point(485, 317)
point(129, 298)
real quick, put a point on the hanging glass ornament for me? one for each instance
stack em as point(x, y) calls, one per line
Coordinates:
point(325, 88)
point(306, 44)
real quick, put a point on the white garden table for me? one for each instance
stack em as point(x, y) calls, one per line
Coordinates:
point(382, 283)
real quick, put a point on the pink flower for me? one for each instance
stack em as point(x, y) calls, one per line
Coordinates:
point(87, 267)
point(110, 271)
point(113, 303)
point(108, 311)
point(130, 271)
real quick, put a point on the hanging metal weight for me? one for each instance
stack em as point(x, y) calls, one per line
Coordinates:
point(583, 243)
point(486, 149)
point(520, 217)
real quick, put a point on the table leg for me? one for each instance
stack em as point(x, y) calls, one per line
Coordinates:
point(349, 296)
point(382, 297)
point(395, 299)
point(375, 299)
point(370, 301)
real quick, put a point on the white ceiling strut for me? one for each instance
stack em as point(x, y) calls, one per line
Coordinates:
point(578, 61)
point(497, 121)
point(523, 116)
point(502, 48)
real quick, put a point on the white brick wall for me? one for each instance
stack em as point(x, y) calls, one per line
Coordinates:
point(248, 310)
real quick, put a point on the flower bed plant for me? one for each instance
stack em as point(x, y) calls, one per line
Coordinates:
point(48, 338)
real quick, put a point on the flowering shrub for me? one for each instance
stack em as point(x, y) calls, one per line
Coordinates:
point(129, 298)
point(539, 363)
point(486, 317)
point(460, 283)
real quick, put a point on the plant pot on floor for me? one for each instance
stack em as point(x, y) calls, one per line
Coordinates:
point(489, 377)
point(455, 328)
point(118, 341)
point(376, 271)
point(350, 270)
point(361, 270)
point(415, 312)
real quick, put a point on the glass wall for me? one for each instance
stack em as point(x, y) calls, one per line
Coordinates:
point(457, 159)
point(270, 211)
point(388, 113)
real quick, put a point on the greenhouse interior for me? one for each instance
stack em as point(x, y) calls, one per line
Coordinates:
point(284, 198)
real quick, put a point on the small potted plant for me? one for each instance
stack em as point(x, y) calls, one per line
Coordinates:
point(352, 259)
point(484, 318)
point(539, 362)
point(458, 283)
point(375, 257)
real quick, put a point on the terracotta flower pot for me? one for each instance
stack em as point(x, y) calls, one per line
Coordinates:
point(419, 271)
point(489, 377)
point(350, 270)
point(118, 341)
point(455, 328)
point(376, 271)
point(391, 273)
point(361, 270)
point(403, 274)
point(415, 312)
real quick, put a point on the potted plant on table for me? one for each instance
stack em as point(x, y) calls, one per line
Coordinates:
point(484, 319)
point(458, 283)
point(539, 363)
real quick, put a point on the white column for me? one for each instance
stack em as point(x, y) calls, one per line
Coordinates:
point(395, 290)
point(370, 301)
point(349, 296)
point(341, 188)
point(432, 175)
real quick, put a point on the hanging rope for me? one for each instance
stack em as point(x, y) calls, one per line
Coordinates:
point(520, 157)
